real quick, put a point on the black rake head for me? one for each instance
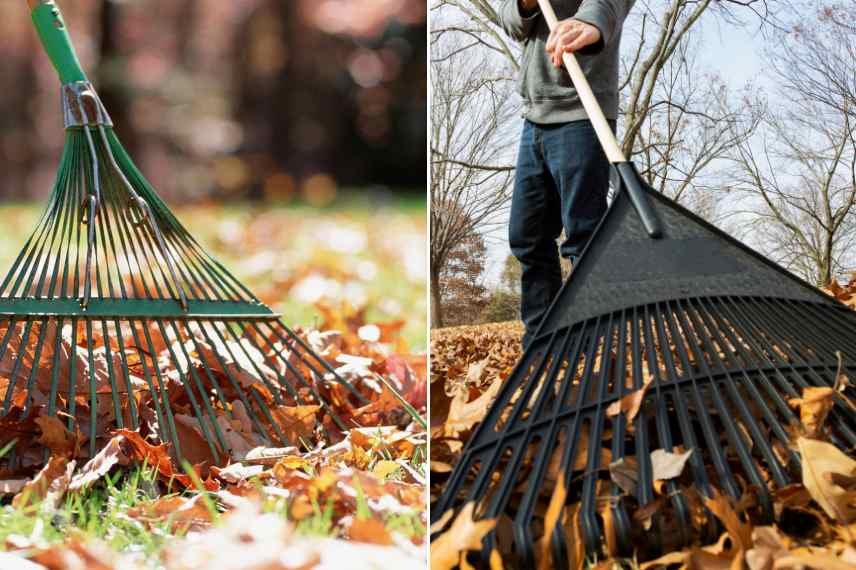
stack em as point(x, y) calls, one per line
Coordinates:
point(714, 338)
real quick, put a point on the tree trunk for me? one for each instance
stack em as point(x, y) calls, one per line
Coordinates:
point(111, 75)
point(436, 300)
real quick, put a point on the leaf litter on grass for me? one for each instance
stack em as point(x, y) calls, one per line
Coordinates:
point(354, 497)
point(815, 524)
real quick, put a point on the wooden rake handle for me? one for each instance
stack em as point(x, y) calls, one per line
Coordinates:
point(631, 181)
point(590, 104)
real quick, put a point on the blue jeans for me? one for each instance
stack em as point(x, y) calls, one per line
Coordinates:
point(561, 182)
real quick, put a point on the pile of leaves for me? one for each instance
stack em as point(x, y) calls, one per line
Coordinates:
point(815, 524)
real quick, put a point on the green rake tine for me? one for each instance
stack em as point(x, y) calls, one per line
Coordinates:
point(55, 371)
point(132, 402)
point(115, 395)
point(19, 259)
point(13, 378)
point(275, 390)
point(93, 396)
point(237, 386)
point(283, 380)
point(241, 395)
point(65, 218)
point(322, 362)
point(131, 246)
point(163, 393)
point(37, 357)
point(149, 216)
point(72, 381)
point(147, 375)
point(288, 387)
point(189, 389)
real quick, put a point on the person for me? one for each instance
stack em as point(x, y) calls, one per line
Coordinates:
point(562, 175)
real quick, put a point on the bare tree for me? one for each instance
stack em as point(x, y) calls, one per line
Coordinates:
point(470, 105)
point(799, 175)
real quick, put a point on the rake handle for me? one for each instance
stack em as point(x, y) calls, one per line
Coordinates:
point(52, 31)
point(630, 179)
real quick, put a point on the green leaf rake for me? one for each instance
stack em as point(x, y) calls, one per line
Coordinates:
point(113, 316)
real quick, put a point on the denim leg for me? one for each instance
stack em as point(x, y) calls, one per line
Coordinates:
point(580, 170)
point(533, 227)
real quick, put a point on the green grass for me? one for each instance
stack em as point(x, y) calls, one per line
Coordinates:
point(101, 513)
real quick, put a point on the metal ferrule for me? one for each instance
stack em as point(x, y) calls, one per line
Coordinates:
point(81, 106)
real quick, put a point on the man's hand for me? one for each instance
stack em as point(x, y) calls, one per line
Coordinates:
point(569, 36)
point(527, 7)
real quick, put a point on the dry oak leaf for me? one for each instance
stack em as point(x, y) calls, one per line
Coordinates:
point(768, 546)
point(629, 404)
point(464, 534)
point(183, 514)
point(56, 437)
point(814, 406)
point(739, 531)
point(48, 486)
point(297, 423)
point(464, 415)
point(821, 461)
point(99, 465)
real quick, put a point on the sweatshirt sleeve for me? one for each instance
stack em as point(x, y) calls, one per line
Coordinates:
point(515, 24)
point(606, 15)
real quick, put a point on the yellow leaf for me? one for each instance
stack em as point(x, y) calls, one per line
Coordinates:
point(384, 469)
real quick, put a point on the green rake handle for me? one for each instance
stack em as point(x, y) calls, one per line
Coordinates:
point(56, 41)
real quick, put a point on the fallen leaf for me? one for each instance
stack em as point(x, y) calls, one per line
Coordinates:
point(297, 423)
point(814, 406)
point(99, 465)
point(819, 459)
point(551, 519)
point(464, 534)
point(629, 405)
point(666, 465)
point(369, 530)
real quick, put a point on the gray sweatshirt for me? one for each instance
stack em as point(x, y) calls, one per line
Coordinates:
point(548, 94)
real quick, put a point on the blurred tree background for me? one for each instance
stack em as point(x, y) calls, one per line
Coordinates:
point(257, 99)
point(288, 135)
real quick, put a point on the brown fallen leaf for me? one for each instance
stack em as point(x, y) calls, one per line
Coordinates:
point(814, 406)
point(740, 532)
point(99, 465)
point(297, 423)
point(48, 486)
point(464, 534)
point(629, 404)
point(463, 415)
point(57, 438)
point(369, 530)
point(768, 546)
point(819, 460)
point(624, 473)
point(182, 514)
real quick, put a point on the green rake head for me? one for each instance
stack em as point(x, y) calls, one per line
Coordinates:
point(113, 316)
